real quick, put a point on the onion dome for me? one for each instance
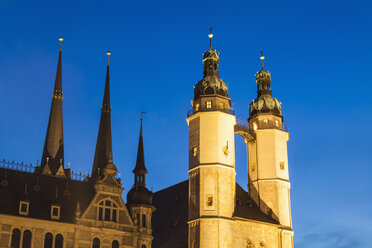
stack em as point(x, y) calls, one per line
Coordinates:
point(139, 195)
point(264, 103)
point(211, 84)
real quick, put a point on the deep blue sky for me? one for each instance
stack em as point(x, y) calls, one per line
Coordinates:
point(319, 53)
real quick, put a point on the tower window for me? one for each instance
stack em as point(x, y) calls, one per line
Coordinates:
point(281, 164)
point(55, 212)
point(23, 207)
point(208, 104)
point(222, 105)
point(254, 125)
point(107, 210)
point(196, 107)
point(265, 120)
point(277, 123)
point(253, 167)
point(210, 200)
point(195, 151)
point(144, 220)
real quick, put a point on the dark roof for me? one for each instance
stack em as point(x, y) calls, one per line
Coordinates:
point(103, 154)
point(41, 201)
point(53, 152)
point(245, 207)
point(169, 221)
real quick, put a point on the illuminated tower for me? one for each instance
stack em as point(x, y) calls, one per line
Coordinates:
point(267, 154)
point(211, 159)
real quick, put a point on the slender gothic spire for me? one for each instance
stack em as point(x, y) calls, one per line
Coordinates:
point(53, 154)
point(140, 169)
point(103, 154)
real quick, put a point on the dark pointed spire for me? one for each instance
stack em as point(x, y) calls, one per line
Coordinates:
point(53, 153)
point(103, 154)
point(140, 169)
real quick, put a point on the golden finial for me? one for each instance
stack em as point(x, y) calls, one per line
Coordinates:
point(108, 57)
point(262, 59)
point(210, 35)
point(60, 42)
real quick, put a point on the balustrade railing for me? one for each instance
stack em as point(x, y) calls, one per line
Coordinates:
point(225, 110)
point(30, 168)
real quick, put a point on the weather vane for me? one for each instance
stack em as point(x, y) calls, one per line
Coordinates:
point(210, 35)
point(142, 113)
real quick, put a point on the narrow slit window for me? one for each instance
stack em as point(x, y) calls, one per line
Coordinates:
point(210, 200)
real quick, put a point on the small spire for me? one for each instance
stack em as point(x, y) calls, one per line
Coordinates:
point(210, 35)
point(140, 169)
point(60, 43)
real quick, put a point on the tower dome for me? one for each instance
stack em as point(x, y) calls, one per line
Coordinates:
point(211, 84)
point(265, 102)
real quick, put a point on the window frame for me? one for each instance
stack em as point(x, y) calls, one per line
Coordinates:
point(113, 209)
point(58, 216)
point(27, 207)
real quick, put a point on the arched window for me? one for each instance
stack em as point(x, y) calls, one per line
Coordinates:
point(143, 246)
point(26, 242)
point(96, 243)
point(115, 244)
point(16, 238)
point(144, 220)
point(48, 240)
point(59, 241)
point(107, 211)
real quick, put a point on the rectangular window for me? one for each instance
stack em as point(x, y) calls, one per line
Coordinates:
point(195, 151)
point(55, 212)
point(210, 200)
point(114, 215)
point(196, 107)
point(222, 105)
point(281, 164)
point(143, 220)
point(23, 207)
point(107, 214)
point(208, 104)
point(100, 213)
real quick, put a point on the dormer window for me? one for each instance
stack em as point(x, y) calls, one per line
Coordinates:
point(55, 212)
point(23, 207)
point(107, 211)
point(208, 104)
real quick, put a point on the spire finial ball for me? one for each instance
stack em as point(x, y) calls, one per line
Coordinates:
point(210, 36)
point(108, 53)
point(60, 38)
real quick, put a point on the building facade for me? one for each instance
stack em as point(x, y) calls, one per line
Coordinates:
point(47, 206)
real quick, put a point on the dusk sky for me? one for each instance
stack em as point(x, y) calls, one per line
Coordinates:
point(319, 54)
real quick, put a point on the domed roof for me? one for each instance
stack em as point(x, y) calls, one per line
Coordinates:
point(265, 104)
point(210, 85)
point(139, 195)
point(210, 54)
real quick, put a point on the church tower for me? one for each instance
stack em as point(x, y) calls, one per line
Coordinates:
point(211, 159)
point(52, 161)
point(139, 199)
point(267, 154)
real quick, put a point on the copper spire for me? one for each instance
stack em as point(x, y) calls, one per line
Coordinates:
point(53, 153)
point(140, 169)
point(103, 154)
